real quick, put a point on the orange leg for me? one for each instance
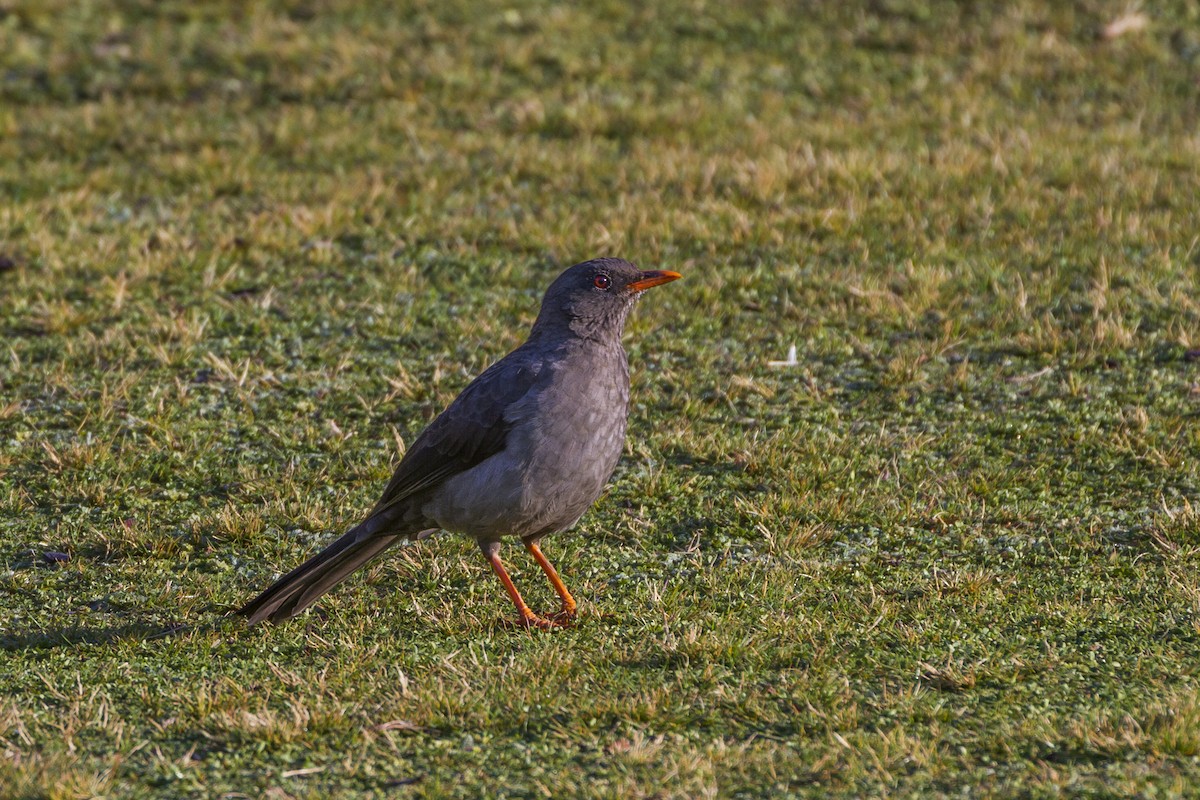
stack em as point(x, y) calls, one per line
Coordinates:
point(568, 603)
point(527, 618)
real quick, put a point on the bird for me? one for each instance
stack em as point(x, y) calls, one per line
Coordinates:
point(524, 450)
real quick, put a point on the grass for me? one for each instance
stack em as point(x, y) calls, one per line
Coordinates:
point(247, 251)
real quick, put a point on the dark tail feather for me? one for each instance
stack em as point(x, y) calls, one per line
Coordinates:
point(297, 590)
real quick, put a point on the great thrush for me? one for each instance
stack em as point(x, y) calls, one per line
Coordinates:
point(523, 451)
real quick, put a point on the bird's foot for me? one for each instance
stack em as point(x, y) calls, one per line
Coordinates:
point(565, 616)
point(532, 620)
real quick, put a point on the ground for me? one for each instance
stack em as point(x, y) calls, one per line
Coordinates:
point(247, 251)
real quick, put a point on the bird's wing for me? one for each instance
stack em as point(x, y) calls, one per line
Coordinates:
point(472, 428)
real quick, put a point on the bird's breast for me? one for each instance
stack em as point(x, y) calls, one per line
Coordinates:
point(566, 438)
point(577, 429)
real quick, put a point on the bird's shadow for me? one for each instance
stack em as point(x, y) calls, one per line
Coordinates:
point(75, 635)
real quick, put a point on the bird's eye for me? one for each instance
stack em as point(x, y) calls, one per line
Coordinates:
point(601, 282)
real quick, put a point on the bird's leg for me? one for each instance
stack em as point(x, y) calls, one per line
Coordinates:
point(567, 613)
point(526, 617)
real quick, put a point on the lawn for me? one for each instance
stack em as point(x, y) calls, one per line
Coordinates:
point(247, 251)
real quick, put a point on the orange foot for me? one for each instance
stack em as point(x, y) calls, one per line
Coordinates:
point(564, 618)
point(532, 620)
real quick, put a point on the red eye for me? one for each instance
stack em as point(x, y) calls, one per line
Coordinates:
point(601, 282)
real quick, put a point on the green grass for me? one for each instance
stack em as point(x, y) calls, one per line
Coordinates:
point(248, 251)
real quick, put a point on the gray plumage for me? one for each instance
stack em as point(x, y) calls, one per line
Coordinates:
point(524, 450)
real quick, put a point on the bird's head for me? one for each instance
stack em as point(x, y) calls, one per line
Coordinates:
point(593, 299)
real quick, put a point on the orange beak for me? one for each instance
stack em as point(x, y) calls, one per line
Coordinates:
point(653, 277)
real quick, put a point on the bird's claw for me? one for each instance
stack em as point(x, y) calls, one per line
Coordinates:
point(531, 620)
point(564, 617)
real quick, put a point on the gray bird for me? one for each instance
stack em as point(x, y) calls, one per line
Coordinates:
point(523, 451)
